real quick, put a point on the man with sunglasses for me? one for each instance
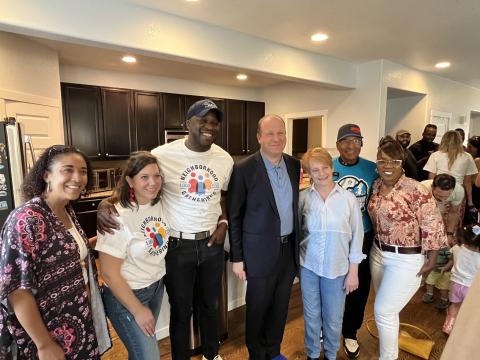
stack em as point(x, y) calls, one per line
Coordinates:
point(357, 175)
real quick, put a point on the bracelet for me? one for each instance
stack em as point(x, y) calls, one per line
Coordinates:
point(224, 221)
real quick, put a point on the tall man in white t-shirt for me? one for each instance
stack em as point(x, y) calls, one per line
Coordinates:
point(195, 173)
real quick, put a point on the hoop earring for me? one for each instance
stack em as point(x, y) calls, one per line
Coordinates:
point(132, 195)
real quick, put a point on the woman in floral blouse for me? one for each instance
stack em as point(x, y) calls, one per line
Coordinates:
point(46, 312)
point(408, 226)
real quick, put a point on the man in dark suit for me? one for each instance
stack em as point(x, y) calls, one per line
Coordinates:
point(263, 208)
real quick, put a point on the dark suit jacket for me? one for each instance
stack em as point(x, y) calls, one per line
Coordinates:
point(254, 222)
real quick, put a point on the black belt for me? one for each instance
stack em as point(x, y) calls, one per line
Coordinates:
point(285, 238)
point(398, 249)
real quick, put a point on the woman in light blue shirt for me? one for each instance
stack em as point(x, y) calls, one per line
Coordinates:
point(330, 251)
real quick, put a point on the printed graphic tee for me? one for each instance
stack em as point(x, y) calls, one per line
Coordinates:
point(141, 242)
point(192, 185)
point(358, 179)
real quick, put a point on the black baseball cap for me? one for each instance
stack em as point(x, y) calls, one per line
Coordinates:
point(202, 107)
point(349, 130)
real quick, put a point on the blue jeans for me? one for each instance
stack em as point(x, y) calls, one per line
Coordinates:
point(323, 305)
point(139, 345)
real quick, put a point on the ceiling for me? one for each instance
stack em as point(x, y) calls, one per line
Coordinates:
point(107, 59)
point(410, 32)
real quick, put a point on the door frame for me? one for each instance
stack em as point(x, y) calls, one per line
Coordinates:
point(301, 115)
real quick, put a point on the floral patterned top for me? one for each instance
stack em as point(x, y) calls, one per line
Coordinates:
point(407, 216)
point(38, 253)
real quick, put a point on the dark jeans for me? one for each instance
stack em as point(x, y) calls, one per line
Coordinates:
point(139, 345)
point(191, 262)
point(357, 300)
point(267, 307)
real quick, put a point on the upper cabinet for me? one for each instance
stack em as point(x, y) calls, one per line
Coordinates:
point(242, 117)
point(109, 123)
point(118, 124)
point(83, 118)
point(174, 111)
point(148, 116)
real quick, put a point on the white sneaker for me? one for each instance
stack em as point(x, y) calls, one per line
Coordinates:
point(218, 357)
point(352, 348)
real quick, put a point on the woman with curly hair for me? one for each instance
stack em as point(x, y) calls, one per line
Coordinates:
point(47, 279)
point(407, 226)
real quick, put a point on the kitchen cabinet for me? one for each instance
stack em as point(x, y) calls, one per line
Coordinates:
point(254, 111)
point(148, 115)
point(174, 111)
point(83, 118)
point(242, 120)
point(117, 122)
point(235, 117)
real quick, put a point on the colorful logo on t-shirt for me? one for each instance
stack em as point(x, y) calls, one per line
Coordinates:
point(357, 187)
point(199, 183)
point(155, 233)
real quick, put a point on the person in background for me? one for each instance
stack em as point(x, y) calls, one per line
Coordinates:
point(423, 148)
point(473, 148)
point(462, 135)
point(330, 251)
point(46, 271)
point(449, 198)
point(132, 258)
point(195, 173)
point(410, 163)
point(466, 264)
point(451, 159)
point(407, 227)
point(355, 174)
point(263, 215)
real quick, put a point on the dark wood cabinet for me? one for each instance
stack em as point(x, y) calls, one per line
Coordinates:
point(148, 117)
point(83, 118)
point(86, 212)
point(174, 111)
point(254, 111)
point(109, 123)
point(235, 116)
point(117, 122)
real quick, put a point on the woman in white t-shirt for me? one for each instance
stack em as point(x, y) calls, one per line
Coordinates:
point(453, 160)
point(132, 258)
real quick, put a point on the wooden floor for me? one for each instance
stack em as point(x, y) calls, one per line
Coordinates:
point(416, 312)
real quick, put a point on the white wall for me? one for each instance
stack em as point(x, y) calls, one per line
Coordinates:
point(442, 94)
point(360, 106)
point(29, 72)
point(405, 113)
point(89, 76)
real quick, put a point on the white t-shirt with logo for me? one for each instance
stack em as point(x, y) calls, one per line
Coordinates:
point(141, 242)
point(192, 184)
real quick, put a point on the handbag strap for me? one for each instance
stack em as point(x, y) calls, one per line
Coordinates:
point(401, 324)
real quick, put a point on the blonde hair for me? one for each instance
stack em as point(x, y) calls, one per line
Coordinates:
point(317, 154)
point(452, 145)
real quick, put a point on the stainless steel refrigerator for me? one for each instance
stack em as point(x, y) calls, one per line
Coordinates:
point(14, 149)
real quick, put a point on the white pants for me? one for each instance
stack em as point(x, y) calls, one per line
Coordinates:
point(394, 277)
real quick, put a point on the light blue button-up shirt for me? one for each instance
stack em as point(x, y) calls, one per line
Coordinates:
point(282, 191)
point(331, 232)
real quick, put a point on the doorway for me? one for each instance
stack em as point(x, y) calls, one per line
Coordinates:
point(304, 131)
point(474, 123)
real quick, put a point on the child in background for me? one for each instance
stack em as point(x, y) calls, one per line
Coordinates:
point(439, 277)
point(466, 263)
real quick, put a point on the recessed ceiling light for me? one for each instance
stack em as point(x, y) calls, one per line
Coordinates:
point(319, 37)
point(442, 65)
point(129, 59)
point(242, 77)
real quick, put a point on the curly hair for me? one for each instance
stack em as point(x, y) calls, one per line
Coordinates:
point(470, 236)
point(34, 183)
point(391, 147)
point(135, 163)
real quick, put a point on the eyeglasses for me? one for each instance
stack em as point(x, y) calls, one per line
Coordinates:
point(391, 163)
point(356, 142)
point(56, 149)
